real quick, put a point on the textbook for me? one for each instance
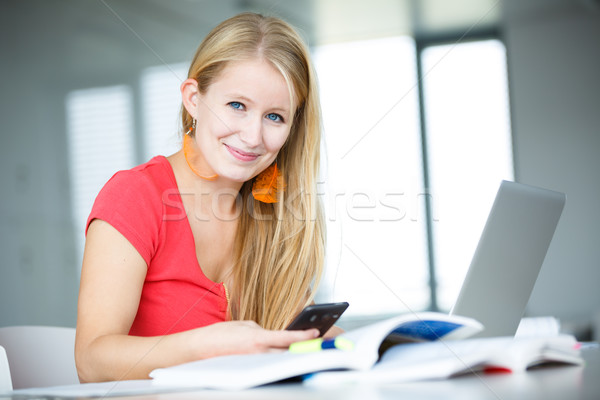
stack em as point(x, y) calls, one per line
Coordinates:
point(248, 370)
point(441, 360)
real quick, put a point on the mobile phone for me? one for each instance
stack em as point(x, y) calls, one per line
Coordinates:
point(320, 316)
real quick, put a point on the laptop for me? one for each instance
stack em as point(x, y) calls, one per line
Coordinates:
point(509, 256)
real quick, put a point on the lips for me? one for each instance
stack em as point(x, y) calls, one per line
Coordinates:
point(241, 155)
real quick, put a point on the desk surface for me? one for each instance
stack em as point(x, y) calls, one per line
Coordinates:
point(548, 383)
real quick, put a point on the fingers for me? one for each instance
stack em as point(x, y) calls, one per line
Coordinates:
point(283, 339)
point(240, 337)
point(333, 332)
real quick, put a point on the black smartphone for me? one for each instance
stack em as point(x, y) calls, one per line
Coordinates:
point(320, 316)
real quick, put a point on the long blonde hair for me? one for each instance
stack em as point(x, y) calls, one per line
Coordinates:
point(279, 249)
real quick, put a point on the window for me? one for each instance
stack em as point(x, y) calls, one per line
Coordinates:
point(469, 149)
point(376, 254)
point(100, 139)
point(161, 103)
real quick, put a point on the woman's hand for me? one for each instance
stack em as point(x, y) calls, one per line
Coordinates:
point(333, 332)
point(243, 337)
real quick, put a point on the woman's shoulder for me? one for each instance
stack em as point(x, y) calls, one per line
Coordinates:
point(132, 202)
point(141, 187)
point(157, 168)
point(154, 175)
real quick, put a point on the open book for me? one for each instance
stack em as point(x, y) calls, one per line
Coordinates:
point(428, 358)
point(439, 360)
point(248, 370)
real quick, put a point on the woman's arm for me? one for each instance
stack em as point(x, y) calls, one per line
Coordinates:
point(112, 278)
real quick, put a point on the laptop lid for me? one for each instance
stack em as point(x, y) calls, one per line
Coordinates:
point(508, 257)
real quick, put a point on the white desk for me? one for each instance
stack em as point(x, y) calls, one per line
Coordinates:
point(549, 383)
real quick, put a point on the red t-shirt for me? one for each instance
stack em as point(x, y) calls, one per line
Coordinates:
point(144, 205)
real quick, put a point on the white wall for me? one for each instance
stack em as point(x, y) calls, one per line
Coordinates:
point(554, 72)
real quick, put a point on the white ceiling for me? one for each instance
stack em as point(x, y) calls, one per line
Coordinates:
point(98, 41)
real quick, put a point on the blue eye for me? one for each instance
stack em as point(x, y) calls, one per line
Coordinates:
point(237, 105)
point(275, 117)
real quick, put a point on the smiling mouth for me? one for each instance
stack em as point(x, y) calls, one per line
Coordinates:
point(241, 155)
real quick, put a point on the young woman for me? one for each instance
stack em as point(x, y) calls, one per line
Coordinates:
point(215, 249)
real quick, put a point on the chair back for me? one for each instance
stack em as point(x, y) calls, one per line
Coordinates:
point(39, 356)
point(5, 381)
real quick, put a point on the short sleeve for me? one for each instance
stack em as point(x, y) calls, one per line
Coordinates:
point(131, 203)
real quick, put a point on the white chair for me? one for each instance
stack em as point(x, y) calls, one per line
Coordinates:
point(39, 356)
point(5, 381)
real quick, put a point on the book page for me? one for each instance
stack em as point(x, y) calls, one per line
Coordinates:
point(445, 359)
point(538, 326)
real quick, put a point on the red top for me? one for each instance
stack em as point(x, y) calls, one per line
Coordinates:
point(144, 205)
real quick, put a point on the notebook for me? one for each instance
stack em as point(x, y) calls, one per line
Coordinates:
point(508, 257)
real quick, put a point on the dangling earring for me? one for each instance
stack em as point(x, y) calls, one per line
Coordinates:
point(192, 129)
point(190, 154)
point(267, 185)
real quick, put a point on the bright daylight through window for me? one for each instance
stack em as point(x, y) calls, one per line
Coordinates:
point(469, 147)
point(100, 139)
point(376, 254)
point(161, 104)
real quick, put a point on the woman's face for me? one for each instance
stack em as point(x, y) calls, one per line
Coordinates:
point(243, 119)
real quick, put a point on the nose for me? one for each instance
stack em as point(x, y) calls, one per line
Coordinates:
point(251, 132)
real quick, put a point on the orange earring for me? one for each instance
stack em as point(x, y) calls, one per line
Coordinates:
point(190, 154)
point(267, 185)
point(192, 129)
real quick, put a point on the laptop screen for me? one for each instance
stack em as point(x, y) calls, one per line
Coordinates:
point(509, 256)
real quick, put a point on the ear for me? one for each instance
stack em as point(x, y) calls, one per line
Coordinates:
point(190, 96)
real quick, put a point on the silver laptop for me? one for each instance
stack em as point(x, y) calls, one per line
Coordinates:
point(509, 256)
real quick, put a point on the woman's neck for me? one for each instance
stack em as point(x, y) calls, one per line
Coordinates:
point(212, 198)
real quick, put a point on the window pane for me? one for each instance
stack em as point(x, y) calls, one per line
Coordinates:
point(161, 103)
point(469, 147)
point(100, 139)
point(376, 255)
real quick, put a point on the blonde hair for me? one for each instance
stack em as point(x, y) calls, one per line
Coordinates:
point(279, 249)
